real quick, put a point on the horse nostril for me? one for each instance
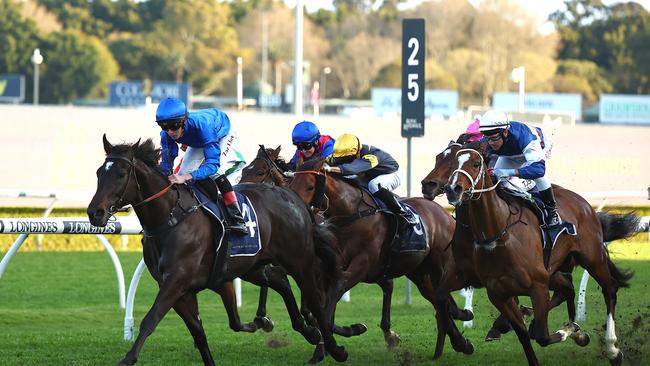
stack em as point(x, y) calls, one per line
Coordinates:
point(458, 190)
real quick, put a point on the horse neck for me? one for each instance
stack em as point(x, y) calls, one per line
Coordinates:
point(488, 215)
point(344, 199)
point(155, 212)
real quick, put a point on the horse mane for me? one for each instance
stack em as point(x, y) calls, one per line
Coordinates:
point(279, 161)
point(145, 152)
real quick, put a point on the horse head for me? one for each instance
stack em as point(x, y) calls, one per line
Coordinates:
point(267, 167)
point(117, 179)
point(434, 183)
point(468, 172)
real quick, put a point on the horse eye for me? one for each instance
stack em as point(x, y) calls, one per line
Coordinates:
point(310, 188)
point(477, 164)
point(260, 173)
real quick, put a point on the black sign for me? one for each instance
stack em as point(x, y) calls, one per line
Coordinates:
point(12, 88)
point(413, 48)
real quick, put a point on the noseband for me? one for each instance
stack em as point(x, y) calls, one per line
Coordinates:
point(319, 190)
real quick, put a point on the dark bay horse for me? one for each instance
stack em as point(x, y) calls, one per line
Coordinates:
point(365, 236)
point(180, 246)
point(508, 248)
point(269, 167)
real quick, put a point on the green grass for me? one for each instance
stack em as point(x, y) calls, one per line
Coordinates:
point(61, 308)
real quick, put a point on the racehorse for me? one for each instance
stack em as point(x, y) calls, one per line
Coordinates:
point(180, 249)
point(365, 238)
point(463, 250)
point(508, 248)
point(269, 167)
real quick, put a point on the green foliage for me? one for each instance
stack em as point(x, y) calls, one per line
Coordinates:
point(18, 38)
point(75, 67)
point(581, 76)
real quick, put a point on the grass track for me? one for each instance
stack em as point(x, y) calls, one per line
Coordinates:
point(60, 308)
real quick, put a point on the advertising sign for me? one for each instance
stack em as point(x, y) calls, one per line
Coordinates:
point(436, 102)
point(12, 88)
point(132, 93)
point(625, 109)
point(540, 102)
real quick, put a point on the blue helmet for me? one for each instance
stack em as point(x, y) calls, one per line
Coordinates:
point(305, 131)
point(170, 109)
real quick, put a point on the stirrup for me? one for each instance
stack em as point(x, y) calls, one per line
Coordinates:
point(238, 228)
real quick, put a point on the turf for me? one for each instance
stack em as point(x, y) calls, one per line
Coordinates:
point(61, 308)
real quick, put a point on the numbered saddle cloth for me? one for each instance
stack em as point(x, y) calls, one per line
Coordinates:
point(240, 245)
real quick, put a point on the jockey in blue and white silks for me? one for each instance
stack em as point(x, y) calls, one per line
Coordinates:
point(521, 151)
point(209, 139)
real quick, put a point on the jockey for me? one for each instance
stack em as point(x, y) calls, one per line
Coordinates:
point(309, 143)
point(371, 165)
point(521, 151)
point(209, 139)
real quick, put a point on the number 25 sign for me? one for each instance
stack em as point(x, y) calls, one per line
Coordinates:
point(413, 51)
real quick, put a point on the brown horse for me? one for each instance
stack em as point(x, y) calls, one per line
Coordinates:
point(508, 248)
point(463, 249)
point(180, 249)
point(366, 234)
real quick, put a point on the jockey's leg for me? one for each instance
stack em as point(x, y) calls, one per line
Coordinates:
point(236, 224)
point(381, 187)
point(546, 192)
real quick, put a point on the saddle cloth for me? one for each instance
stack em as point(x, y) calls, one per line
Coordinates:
point(408, 238)
point(240, 245)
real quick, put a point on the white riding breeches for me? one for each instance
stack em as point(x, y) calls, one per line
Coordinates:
point(389, 181)
point(232, 161)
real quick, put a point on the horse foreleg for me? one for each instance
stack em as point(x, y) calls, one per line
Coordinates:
point(229, 300)
point(261, 320)
point(446, 323)
point(187, 308)
point(511, 311)
point(169, 293)
point(392, 339)
point(562, 284)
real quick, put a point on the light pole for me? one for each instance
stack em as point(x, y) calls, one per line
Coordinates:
point(518, 75)
point(240, 85)
point(37, 59)
point(323, 81)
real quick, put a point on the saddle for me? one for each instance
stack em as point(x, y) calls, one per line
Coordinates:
point(533, 201)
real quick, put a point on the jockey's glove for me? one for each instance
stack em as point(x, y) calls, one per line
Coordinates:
point(504, 173)
point(288, 174)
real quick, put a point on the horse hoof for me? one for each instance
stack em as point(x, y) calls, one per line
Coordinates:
point(358, 329)
point(124, 362)
point(319, 354)
point(469, 348)
point(339, 354)
point(392, 339)
point(581, 338)
point(493, 335)
point(466, 315)
point(263, 323)
point(618, 360)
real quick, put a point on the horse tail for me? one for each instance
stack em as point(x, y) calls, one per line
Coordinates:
point(324, 241)
point(617, 226)
point(620, 276)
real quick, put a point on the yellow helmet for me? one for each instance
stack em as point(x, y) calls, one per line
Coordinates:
point(346, 145)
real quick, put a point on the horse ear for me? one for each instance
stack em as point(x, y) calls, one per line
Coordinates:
point(136, 145)
point(107, 145)
point(299, 162)
point(276, 152)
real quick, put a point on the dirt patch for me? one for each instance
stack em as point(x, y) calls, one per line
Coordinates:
point(277, 342)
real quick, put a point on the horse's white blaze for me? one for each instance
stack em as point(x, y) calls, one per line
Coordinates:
point(462, 159)
point(108, 165)
point(610, 338)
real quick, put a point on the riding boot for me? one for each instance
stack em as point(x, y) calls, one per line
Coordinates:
point(386, 196)
point(236, 223)
point(553, 219)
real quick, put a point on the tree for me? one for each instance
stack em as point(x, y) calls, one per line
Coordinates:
point(581, 76)
point(76, 66)
point(18, 38)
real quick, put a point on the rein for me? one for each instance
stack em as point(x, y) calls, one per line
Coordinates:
point(474, 181)
point(131, 163)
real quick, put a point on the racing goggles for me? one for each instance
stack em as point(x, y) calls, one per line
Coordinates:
point(303, 146)
point(170, 125)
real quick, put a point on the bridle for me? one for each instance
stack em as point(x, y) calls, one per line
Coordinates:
point(270, 163)
point(319, 190)
point(473, 191)
point(118, 206)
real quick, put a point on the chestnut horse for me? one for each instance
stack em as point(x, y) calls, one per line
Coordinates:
point(180, 249)
point(508, 248)
point(365, 237)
